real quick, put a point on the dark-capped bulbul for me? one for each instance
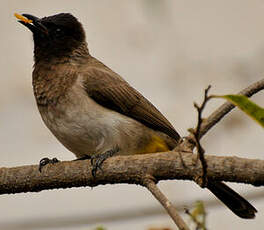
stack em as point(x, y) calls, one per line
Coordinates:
point(92, 110)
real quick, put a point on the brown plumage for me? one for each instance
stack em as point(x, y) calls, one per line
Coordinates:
point(110, 90)
point(92, 110)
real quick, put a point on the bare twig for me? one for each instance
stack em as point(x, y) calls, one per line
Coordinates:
point(153, 188)
point(196, 135)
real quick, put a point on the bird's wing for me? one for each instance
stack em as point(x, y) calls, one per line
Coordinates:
point(110, 90)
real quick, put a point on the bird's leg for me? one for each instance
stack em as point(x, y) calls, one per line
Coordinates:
point(98, 159)
point(45, 161)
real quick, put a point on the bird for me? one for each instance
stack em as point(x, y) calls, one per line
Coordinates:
point(92, 110)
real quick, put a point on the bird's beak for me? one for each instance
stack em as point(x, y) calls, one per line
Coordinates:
point(32, 23)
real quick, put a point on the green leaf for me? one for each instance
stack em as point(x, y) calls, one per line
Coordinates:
point(247, 106)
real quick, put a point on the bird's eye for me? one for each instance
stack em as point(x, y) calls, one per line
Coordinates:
point(58, 31)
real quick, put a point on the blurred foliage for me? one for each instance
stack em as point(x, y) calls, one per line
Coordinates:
point(100, 228)
point(198, 215)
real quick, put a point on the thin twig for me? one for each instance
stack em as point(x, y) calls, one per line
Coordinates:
point(153, 188)
point(196, 134)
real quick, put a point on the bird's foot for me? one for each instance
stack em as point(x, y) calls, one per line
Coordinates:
point(45, 161)
point(98, 159)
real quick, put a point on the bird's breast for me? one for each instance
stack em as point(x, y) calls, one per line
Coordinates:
point(76, 122)
point(85, 127)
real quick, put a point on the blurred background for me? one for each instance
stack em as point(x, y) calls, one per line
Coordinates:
point(170, 51)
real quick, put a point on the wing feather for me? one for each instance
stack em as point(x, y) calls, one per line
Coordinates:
point(110, 90)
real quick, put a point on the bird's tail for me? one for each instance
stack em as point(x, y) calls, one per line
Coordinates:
point(236, 203)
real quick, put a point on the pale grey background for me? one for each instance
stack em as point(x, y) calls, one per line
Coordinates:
point(170, 51)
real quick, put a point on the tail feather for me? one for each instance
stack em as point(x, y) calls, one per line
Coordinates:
point(236, 203)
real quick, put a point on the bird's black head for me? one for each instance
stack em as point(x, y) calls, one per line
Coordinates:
point(54, 36)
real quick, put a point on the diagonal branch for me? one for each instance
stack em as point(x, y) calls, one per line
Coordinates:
point(150, 184)
point(224, 109)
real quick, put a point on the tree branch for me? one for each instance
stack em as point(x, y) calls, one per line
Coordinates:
point(130, 169)
point(172, 211)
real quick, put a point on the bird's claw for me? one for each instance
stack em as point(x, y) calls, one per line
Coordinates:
point(45, 161)
point(97, 160)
